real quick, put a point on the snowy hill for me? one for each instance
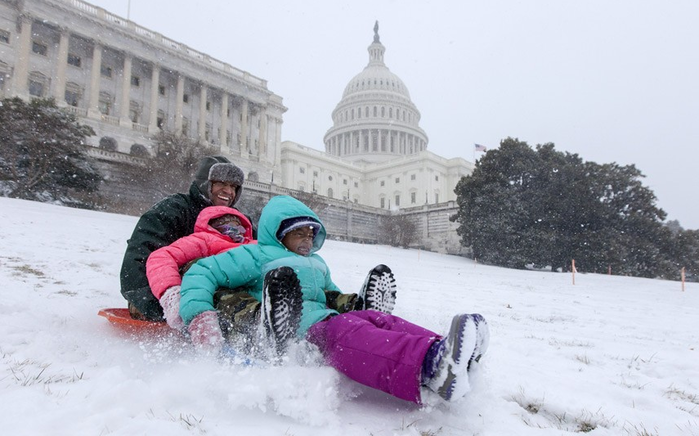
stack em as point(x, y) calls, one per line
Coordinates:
point(609, 355)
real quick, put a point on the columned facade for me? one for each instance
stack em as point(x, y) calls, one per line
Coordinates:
point(136, 82)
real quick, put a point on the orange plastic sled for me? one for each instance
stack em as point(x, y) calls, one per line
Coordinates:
point(121, 319)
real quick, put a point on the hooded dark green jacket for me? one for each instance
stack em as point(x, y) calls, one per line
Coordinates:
point(168, 220)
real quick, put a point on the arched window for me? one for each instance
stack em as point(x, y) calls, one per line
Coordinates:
point(330, 192)
point(108, 143)
point(139, 150)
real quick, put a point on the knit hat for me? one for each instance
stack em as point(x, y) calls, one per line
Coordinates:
point(229, 173)
point(290, 224)
point(205, 163)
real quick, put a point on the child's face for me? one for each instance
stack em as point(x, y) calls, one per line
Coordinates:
point(299, 241)
point(231, 220)
point(230, 226)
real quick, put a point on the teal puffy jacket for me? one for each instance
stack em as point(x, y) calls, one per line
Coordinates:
point(248, 264)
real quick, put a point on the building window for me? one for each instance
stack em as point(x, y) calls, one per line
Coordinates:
point(382, 201)
point(106, 71)
point(160, 121)
point(185, 127)
point(330, 192)
point(436, 197)
point(72, 94)
point(5, 36)
point(383, 183)
point(229, 137)
point(397, 180)
point(135, 81)
point(38, 84)
point(74, 60)
point(330, 178)
point(228, 112)
point(413, 198)
point(105, 103)
point(36, 88)
point(134, 111)
point(397, 200)
point(208, 105)
point(185, 98)
point(161, 90)
point(302, 170)
point(436, 178)
point(344, 181)
point(356, 184)
point(39, 48)
point(413, 177)
point(315, 173)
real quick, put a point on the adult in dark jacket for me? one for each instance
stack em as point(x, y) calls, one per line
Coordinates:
point(217, 182)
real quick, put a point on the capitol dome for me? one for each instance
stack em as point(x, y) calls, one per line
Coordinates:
point(375, 120)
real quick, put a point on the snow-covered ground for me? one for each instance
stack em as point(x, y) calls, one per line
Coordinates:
point(609, 355)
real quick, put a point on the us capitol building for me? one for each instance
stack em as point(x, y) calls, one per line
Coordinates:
point(128, 83)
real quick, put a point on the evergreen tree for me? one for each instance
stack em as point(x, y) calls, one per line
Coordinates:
point(542, 208)
point(43, 155)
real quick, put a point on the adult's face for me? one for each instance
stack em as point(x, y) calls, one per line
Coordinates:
point(222, 193)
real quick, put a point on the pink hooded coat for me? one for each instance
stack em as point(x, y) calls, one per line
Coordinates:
point(163, 265)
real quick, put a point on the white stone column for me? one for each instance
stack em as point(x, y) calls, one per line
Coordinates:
point(262, 149)
point(95, 74)
point(202, 113)
point(178, 104)
point(154, 93)
point(224, 119)
point(244, 149)
point(59, 88)
point(125, 100)
point(20, 79)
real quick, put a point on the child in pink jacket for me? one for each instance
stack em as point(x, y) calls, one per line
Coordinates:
point(217, 229)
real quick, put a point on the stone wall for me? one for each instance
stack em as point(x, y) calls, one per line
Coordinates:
point(343, 220)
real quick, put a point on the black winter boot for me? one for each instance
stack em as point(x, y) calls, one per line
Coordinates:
point(282, 302)
point(378, 291)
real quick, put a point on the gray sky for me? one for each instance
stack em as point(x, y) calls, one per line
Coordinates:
point(613, 81)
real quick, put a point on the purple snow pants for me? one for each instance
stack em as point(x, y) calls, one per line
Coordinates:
point(375, 349)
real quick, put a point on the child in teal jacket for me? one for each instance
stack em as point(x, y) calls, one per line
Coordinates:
point(374, 348)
